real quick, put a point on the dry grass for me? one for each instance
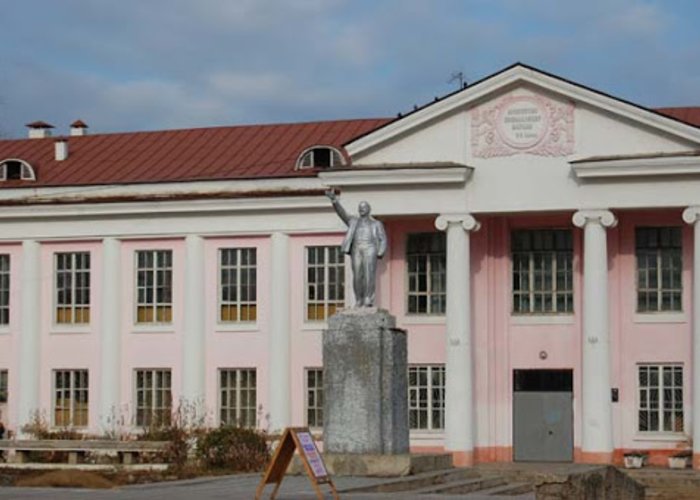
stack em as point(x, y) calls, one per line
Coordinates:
point(66, 479)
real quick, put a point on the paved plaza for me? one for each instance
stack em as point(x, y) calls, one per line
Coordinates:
point(238, 487)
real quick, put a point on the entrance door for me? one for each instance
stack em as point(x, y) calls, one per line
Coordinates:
point(543, 418)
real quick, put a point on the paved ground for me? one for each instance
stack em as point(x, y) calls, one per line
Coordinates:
point(240, 487)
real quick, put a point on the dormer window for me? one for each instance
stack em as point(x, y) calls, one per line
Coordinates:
point(16, 170)
point(320, 157)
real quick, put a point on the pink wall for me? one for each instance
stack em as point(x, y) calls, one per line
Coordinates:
point(242, 345)
point(150, 346)
point(9, 336)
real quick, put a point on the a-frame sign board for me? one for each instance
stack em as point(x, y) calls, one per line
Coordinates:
point(296, 438)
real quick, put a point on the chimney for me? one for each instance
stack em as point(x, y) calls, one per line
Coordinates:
point(39, 130)
point(78, 127)
point(61, 146)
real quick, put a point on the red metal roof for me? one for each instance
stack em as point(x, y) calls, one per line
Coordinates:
point(240, 152)
point(689, 115)
point(253, 151)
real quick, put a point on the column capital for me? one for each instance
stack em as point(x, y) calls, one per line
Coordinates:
point(468, 222)
point(605, 218)
point(691, 215)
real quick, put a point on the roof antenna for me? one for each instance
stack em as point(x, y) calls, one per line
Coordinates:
point(458, 76)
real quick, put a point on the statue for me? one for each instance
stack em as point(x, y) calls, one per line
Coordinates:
point(365, 242)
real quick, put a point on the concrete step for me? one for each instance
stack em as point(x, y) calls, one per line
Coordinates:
point(417, 481)
point(464, 486)
point(509, 489)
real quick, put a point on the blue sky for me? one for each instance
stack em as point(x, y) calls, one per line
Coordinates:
point(154, 64)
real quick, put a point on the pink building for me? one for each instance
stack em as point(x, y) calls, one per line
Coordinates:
point(542, 245)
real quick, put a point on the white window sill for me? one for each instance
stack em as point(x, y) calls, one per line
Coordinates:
point(69, 330)
point(542, 319)
point(673, 437)
point(4, 330)
point(237, 327)
point(678, 317)
point(314, 325)
point(419, 434)
point(152, 329)
point(415, 319)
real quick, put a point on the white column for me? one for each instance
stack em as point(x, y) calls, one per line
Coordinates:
point(29, 366)
point(110, 326)
point(691, 215)
point(459, 397)
point(279, 339)
point(194, 338)
point(596, 423)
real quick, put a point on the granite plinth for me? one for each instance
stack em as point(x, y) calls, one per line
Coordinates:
point(365, 386)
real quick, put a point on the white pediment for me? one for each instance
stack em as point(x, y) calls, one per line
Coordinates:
point(523, 111)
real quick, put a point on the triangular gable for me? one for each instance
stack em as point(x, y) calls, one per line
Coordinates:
point(520, 75)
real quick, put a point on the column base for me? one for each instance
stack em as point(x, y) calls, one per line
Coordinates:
point(462, 458)
point(696, 461)
point(594, 457)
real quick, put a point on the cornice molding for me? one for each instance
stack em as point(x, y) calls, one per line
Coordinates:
point(661, 166)
point(358, 176)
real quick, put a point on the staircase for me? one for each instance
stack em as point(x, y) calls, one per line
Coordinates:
point(667, 483)
point(467, 483)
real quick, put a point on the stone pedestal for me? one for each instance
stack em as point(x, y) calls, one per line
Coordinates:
point(365, 385)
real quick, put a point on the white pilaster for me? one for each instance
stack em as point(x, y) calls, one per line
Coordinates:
point(596, 423)
point(691, 215)
point(194, 338)
point(29, 366)
point(110, 331)
point(459, 398)
point(279, 339)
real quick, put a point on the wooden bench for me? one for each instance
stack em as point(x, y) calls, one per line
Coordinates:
point(18, 450)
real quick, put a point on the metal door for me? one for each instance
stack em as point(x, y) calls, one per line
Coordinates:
point(543, 415)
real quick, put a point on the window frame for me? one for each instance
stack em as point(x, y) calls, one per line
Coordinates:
point(237, 391)
point(430, 408)
point(26, 170)
point(326, 303)
point(154, 269)
point(429, 280)
point(152, 411)
point(660, 410)
point(316, 409)
point(72, 390)
point(334, 152)
point(239, 269)
point(5, 291)
point(553, 292)
point(659, 289)
point(72, 306)
point(4, 385)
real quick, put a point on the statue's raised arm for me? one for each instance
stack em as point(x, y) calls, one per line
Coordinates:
point(338, 207)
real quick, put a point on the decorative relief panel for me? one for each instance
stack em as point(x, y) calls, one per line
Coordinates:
point(523, 123)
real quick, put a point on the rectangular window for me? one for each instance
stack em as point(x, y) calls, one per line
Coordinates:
point(238, 396)
point(153, 398)
point(4, 289)
point(542, 271)
point(426, 265)
point(3, 386)
point(70, 402)
point(325, 282)
point(154, 286)
point(314, 397)
point(237, 284)
point(426, 397)
point(659, 266)
point(72, 287)
point(660, 398)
